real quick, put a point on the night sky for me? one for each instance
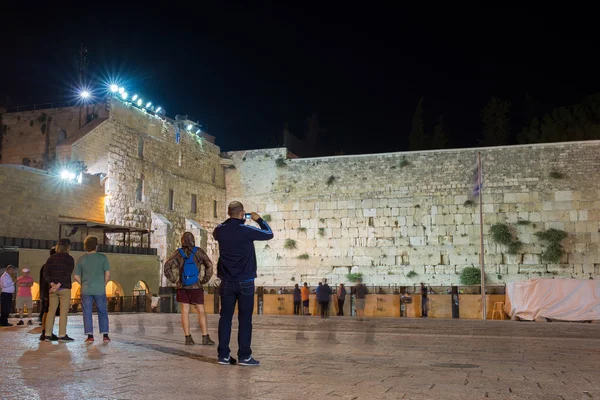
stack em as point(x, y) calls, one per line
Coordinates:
point(244, 71)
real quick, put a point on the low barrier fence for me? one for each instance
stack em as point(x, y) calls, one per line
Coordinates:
point(396, 302)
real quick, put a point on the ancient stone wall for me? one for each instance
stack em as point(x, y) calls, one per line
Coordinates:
point(386, 215)
point(143, 152)
point(32, 201)
point(31, 137)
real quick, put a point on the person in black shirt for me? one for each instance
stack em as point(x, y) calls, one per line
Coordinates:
point(297, 299)
point(424, 301)
point(44, 301)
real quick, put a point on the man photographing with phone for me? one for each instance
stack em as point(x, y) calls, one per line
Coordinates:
point(237, 270)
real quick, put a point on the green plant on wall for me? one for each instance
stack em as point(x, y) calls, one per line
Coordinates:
point(280, 162)
point(302, 229)
point(322, 220)
point(411, 274)
point(556, 174)
point(554, 251)
point(470, 276)
point(468, 203)
point(267, 217)
point(330, 180)
point(501, 234)
point(304, 256)
point(354, 276)
point(289, 244)
point(404, 162)
point(523, 222)
point(515, 247)
point(321, 232)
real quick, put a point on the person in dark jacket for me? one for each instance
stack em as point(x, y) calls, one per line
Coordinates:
point(44, 298)
point(323, 297)
point(57, 272)
point(297, 299)
point(341, 298)
point(237, 270)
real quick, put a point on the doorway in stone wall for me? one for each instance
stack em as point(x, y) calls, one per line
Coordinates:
point(162, 228)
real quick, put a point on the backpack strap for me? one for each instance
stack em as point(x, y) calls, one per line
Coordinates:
point(182, 254)
point(194, 249)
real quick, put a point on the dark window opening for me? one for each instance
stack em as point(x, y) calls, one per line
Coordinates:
point(214, 175)
point(215, 209)
point(194, 204)
point(141, 147)
point(26, 162)
point(139, 190)
point(171, 200)
point(62, 136)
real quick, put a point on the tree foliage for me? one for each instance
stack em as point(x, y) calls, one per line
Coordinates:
point(417, 138)
point(576, 122)
point(495, 122)
point(440, 138)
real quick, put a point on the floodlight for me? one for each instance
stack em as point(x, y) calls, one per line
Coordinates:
point(114, 88)
point(189, 127)
point(139, 102)
point(135, 96)
point(148, 104)
point(124, 95)
point(84, 94)
point(121, 90)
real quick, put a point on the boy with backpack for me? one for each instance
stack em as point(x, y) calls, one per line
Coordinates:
point(183, 269)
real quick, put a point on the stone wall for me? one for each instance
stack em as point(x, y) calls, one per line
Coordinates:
point(126, 269)
point(132, 145)
point(385, 215)
point(31, 202)
point(31, 137)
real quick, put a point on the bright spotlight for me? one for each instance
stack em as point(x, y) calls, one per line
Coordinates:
point(114, 88)
point(135, 96)
point(158, 109)
point(124, 95)
point(148, 104)
point(67, 175)
point(139, 102)
point(189, 127)
point(84, 94)
point(198, 131)
point(121, 90)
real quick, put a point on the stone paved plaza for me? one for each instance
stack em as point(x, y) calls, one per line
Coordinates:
point(306, 357)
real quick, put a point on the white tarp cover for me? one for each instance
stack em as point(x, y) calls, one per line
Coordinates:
point(562, 299)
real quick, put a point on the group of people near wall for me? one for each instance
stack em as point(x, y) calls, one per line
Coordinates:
point(324, 293)
point(92, 272)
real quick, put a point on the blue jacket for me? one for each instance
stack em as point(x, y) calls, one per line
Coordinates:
point(237, 258)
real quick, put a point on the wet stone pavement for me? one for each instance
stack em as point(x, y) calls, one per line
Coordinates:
point(306, 357)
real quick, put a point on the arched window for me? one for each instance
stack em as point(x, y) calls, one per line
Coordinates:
point(62, 136)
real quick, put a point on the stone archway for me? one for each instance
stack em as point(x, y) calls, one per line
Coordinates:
point(75, 290)
point(35, 291)
point(113, 288)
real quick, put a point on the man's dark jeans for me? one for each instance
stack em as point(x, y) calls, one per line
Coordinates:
point(297, 307)
point(243, 294)
point(7, 303)
point(424, 306)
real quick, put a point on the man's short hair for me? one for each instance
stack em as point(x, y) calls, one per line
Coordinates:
point(235, 207)
point(90, 243)
point(62, 248)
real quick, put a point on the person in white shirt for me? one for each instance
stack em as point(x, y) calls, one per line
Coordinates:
point(8, 288)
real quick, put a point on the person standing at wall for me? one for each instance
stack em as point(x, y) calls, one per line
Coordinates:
point(305, 298)
point(360, 291)
point(8, 288)
point(237, 271)
point(184, 268)
point(297, 299)
point(424, 301)
point(154, 302)
point(58, 271)
point(24, 284)
point(324, 296)
point(93, 273)
point(44, 299)
point(341, 298)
